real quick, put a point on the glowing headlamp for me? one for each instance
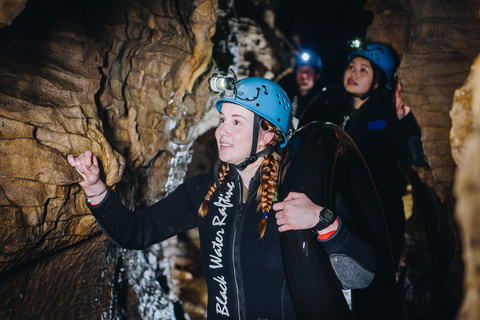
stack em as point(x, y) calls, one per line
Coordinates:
point(305, 57)
point(355, 43)
point(218, 83)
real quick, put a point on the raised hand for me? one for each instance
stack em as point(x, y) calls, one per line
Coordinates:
point(402, 110)
point(87, 165)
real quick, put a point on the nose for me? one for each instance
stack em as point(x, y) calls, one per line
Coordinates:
point(222, 129)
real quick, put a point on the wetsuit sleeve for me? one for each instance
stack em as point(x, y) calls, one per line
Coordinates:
point(412, 149)
point(141, 228)
point(353, 260)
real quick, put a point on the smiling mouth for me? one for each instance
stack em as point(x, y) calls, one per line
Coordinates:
point(224, 145)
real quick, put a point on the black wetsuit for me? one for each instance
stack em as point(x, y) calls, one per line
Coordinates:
point(385, 142)
point(244, 274)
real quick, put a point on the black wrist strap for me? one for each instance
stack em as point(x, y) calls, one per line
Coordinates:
point(327, 217)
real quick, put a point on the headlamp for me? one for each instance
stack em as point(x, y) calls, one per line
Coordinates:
point(355, 43)
point(218, 83)
point(305, 57)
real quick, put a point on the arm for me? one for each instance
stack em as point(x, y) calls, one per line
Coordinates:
point(140, 228)
point(413, 149)
point(352, 259)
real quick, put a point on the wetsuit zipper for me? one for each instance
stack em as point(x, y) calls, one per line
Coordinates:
point(237, 273)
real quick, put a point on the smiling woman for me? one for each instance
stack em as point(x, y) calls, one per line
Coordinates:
point(234, 133)
point(235, 210)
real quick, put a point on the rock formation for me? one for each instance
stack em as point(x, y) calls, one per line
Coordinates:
point(127, 80)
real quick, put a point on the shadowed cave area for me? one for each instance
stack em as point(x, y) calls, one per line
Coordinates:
point(127, 79)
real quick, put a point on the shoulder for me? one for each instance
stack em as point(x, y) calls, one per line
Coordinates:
point(380, 108)
point(200, 181)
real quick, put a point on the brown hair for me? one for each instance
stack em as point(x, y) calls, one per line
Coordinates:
point(266, 192)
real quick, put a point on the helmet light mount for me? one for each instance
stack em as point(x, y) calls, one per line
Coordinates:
point(223, 84)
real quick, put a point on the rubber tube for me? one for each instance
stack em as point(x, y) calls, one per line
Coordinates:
point(321, 161)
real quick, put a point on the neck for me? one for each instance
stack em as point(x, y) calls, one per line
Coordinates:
point(248, 173)
point(358, 102)
point(303, 92)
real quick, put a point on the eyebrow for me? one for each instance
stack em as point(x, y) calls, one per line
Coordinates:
point(361, 64)
point(234, 115)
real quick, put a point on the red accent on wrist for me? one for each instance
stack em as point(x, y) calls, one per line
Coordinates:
point(326, 236)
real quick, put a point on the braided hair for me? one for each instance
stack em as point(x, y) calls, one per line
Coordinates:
point(266, 193)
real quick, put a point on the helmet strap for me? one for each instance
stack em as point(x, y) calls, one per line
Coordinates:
point(254, 157)
point(253, 154)
point(215, 172)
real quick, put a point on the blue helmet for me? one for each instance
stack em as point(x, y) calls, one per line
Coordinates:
point(309, 58)
point(380, 55)
point(263, 97)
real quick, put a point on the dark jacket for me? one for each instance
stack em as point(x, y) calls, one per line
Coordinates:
point(325, 106)
point(386, 142)
point(299, 102)
point(244, 274)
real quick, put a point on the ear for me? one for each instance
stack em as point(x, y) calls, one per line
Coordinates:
point(266, 137)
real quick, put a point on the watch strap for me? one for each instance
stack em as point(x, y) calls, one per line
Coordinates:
point(327, 217)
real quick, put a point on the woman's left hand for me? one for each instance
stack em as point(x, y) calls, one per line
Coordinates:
point(296, 212)
point(402, 110)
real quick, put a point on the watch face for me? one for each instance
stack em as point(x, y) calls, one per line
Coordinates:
point(327, 214)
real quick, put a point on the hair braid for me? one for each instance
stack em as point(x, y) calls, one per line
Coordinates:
point(222, 176)
point(267, 190)
point(268, 181)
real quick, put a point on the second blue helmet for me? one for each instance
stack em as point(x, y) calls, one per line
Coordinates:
point(381, 55)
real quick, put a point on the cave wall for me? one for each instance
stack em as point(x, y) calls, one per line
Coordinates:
point(466, 129)
point(127, 80)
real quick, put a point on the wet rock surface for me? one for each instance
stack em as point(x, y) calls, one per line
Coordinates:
point(127, 80)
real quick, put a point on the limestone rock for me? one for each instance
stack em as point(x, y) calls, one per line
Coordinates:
point(467, 186)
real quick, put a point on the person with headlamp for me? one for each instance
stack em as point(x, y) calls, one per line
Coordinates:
point(234, 208)
point(307, 72)
point(368, 106)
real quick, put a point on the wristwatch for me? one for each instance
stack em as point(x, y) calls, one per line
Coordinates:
point(326, 218)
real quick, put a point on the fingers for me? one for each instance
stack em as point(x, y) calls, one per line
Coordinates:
point(296, 212)
point(88, 155)
point(279, 206)
point(71, 160)
point(86, 163)
point(294, 195)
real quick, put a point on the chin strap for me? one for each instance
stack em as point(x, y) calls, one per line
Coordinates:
point(241, 166)
point(215, 172)
point(245, 163)
point(366, 95)
point(253, 154)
